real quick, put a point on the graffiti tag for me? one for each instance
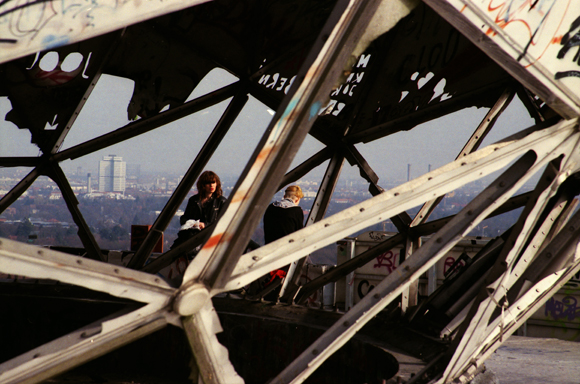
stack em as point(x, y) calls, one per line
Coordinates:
point(570, 40)
point(387, 260)
point(567, 308)
point(364, 287)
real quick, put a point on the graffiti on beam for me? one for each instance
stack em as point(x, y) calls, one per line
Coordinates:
point(543, 34)
point(570, 40)
point(535, 24)
point(26, 20)
point(345, 91)
point(276, 82)
point(31, 26)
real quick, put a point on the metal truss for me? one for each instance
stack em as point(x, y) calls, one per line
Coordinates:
point(532, 260)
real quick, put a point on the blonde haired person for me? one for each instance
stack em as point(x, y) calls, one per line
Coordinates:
point(285, 216)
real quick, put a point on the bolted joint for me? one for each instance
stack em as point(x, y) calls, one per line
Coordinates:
point(191, 299)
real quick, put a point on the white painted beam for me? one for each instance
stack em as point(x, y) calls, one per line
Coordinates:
point(28, 27)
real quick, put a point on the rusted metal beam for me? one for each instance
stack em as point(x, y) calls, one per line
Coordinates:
point(524, 239)
point(563, 249)
point(433, 226)
point(213, 141)
point(422, 230)
point(320, 71)
point(201, 329)
point(212, 268)
point(145, 125)
point(41, 263)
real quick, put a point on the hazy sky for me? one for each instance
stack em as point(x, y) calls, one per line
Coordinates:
point(174, 146)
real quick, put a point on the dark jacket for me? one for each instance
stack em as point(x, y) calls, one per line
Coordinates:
point(281, 219)
point(206, 214)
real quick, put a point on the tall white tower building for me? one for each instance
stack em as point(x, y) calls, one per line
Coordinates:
point(112, 174)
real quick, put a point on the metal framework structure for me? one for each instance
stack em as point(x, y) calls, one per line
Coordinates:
point(344, 72)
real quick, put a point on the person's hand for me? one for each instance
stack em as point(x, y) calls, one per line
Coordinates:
point(201, 225)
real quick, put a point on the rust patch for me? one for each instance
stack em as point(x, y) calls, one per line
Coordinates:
point(238, 197)
point(263, 154)
point(214, 240)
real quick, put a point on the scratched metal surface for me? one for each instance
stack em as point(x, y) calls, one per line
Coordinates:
point(33, 26)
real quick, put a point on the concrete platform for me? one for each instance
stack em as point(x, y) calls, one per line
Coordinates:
point(527, 360)
point(520, 360)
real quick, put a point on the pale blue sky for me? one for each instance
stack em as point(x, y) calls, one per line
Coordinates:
point(172, 148)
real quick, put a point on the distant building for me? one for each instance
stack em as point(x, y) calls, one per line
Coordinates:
point(112, 174)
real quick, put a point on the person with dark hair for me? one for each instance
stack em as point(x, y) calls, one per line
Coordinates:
point(202, 208)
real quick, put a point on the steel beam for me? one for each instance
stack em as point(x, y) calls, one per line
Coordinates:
point(564, 248)
point(500, 266)
point(216, 261)
point(307, 166)
point(347, 267)
point(410, 270)
point(20, 161)
point(201, 329)
point(548, 143)
point(204, 155)
point(91, 247)
point(40, 263)
point(433, 226)
point(212, 268)
point(476, 328)
point(422, 230)
point(88, 21)
point(19, 189)
point(81, 346)
point(317, 212)
point(472, 145)
point(529, 54)
point(145, 125)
